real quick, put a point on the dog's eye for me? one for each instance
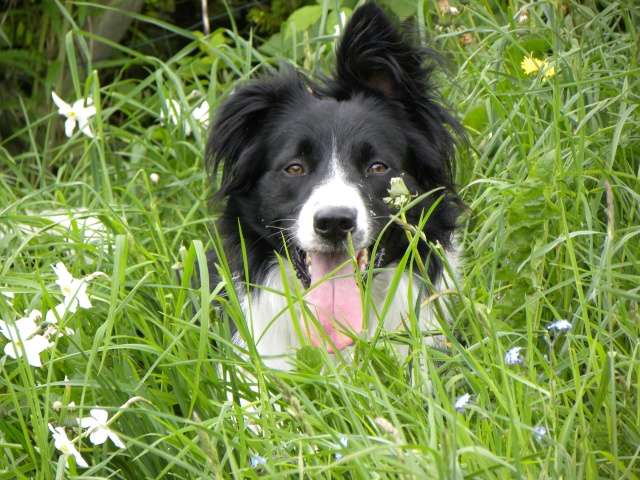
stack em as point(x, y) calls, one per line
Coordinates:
point(378, 168)
point(294, 169)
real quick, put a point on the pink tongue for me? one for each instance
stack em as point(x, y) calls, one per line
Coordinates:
point(336, 301)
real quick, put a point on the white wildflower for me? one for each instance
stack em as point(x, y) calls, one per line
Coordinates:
point(201, 113)
point(58, 312)
point(74, 290)
point(57, 406)
point(62, 443)
point(337, 30)
point(399, 194)
point(444, 6)
point(524, 17)
point(155, 178)
point(76, 113)
point(560, 326)
point(513, 357)
point(23, 340)
point(462, 401)
point(173, 107)
point(97, 425)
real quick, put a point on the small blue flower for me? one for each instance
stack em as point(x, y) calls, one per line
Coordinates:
point(257, 460)
point(513, 357)
point(540, 433)
point(560, 326)
point(344, 442)
point(462, 401)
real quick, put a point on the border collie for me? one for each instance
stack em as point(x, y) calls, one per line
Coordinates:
point(306, 166)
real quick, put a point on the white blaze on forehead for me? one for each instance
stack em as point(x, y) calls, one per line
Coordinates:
point(334, 191)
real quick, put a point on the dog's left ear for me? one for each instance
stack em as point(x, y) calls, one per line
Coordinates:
point(369, 55)
point(374, 57)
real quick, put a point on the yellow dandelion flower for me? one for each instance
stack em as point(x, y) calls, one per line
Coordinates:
point(547, 70)
point(530, 65)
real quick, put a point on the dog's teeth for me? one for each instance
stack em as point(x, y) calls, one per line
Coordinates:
point(308, 259)
point(363, 258)
point(309, 268)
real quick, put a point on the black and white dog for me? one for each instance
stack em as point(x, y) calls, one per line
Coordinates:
point(306, 166)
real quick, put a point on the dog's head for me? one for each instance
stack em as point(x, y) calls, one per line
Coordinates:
point(306, 165)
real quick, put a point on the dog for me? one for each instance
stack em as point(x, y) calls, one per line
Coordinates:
point(306, 167)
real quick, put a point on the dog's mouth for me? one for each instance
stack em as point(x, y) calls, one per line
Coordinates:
point(334, 299)
point(303, 262)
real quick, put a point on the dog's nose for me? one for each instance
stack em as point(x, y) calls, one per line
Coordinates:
point(335, 223)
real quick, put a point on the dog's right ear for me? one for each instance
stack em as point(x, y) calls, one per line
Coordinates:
point(237, 138)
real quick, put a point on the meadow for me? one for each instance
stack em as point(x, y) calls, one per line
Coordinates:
point(114, 365)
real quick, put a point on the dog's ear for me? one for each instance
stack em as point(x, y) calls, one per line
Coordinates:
point(373, 56)
point(237, 138)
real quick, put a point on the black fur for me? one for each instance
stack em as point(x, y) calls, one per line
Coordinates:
point(380, 103)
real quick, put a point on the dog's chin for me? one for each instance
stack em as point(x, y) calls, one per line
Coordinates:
point(333, 298)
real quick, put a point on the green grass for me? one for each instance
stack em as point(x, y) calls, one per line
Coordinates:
point(552, 178)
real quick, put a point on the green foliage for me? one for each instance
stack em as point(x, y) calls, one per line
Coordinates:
point(551, 177)
point(268, 18)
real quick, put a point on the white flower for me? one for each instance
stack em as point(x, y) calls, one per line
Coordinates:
point(454, 10)
point(201, 113)
point(23, 341)
point(62, 443)
point(154, 177)
point(74, 290)
point(462, 401)
point(560, 325)
point(60, 310)
point(399, 194)
point(524, 17)
point(76, 113)
point(97, 425)
point(7, 294)
point(173, 107)
point(512, 357)
point(57, 406)
point(337, 28)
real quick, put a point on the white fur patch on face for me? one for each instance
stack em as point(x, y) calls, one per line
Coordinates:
point(334, 191)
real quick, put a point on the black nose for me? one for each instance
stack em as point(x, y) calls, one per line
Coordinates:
point(334, 223)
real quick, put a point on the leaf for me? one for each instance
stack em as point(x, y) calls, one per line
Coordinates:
point(477, 118)
point(304, 17)
point(311, 357)
point(401, 8)
point(533, 203)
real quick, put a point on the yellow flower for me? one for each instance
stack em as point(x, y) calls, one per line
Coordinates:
point(533, 65)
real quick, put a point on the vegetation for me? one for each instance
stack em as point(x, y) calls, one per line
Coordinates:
point(551, 178)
